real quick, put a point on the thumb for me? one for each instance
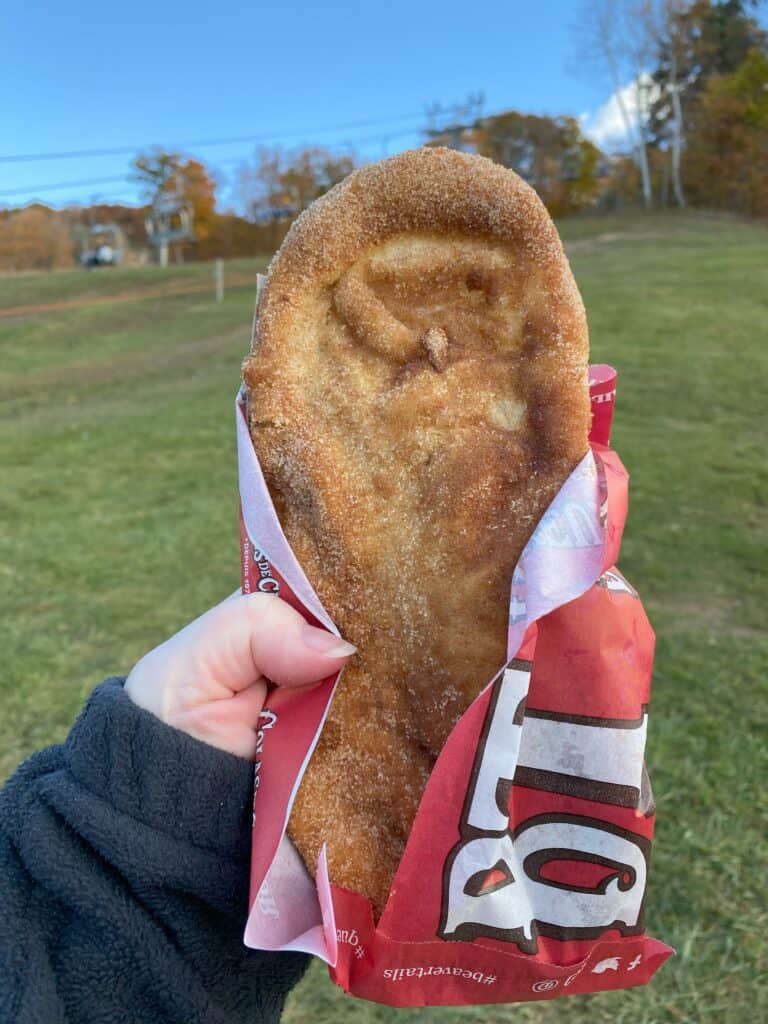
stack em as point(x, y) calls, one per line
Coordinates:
point(259, 635)
point(209, 679)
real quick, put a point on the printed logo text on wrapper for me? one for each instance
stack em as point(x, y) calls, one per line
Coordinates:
point(494, 884)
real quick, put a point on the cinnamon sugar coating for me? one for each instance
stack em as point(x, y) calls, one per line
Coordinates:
point(418, 394)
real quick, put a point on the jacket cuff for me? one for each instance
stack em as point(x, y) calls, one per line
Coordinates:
point(159, 775)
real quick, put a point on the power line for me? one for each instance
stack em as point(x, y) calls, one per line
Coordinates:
point(231, 141)
point(351, 143)
point(56, 186)
point(380, 136)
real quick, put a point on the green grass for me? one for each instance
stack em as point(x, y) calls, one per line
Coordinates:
point(34, 287)
point(120, 513)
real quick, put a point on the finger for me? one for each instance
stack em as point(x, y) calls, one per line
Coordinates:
point(259, 634)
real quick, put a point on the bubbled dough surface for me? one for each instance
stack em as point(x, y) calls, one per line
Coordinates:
point(415, 412)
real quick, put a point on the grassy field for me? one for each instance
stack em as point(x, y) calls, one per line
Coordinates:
point(120, 524)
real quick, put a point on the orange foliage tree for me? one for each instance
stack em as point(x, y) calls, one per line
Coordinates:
point(162, 173)
point(281, 183)
point(726, 164)
point(550, 153)
point(34, 238)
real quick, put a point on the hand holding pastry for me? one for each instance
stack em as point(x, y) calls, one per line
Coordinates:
point(210, 679)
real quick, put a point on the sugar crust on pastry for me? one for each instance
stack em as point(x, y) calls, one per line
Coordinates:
point(417, 395)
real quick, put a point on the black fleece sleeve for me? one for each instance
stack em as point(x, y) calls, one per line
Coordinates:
point(124, 880)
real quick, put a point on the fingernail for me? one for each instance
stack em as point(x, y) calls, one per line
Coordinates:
point(326, 643)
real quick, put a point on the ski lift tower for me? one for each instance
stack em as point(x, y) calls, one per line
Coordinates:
point(169, 220)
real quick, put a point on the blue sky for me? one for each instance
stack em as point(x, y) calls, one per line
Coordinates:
point(86, 75)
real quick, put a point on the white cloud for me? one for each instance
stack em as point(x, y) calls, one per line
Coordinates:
point(606, 126)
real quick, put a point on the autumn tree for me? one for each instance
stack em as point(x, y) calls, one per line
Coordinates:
point(659, 57)
point(694, 41)
point(551, 154)
point(234, 236)
point(161, 173)
point(717, 37)
point(281, 183)
point(34, 238)
point(727, 156)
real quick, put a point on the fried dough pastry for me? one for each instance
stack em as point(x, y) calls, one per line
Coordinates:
point(417, 396)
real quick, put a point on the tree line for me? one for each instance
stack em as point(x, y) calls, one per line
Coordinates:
point(690, 81)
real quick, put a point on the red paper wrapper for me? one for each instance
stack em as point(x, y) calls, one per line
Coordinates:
point(602, 393)
point(525, 873)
